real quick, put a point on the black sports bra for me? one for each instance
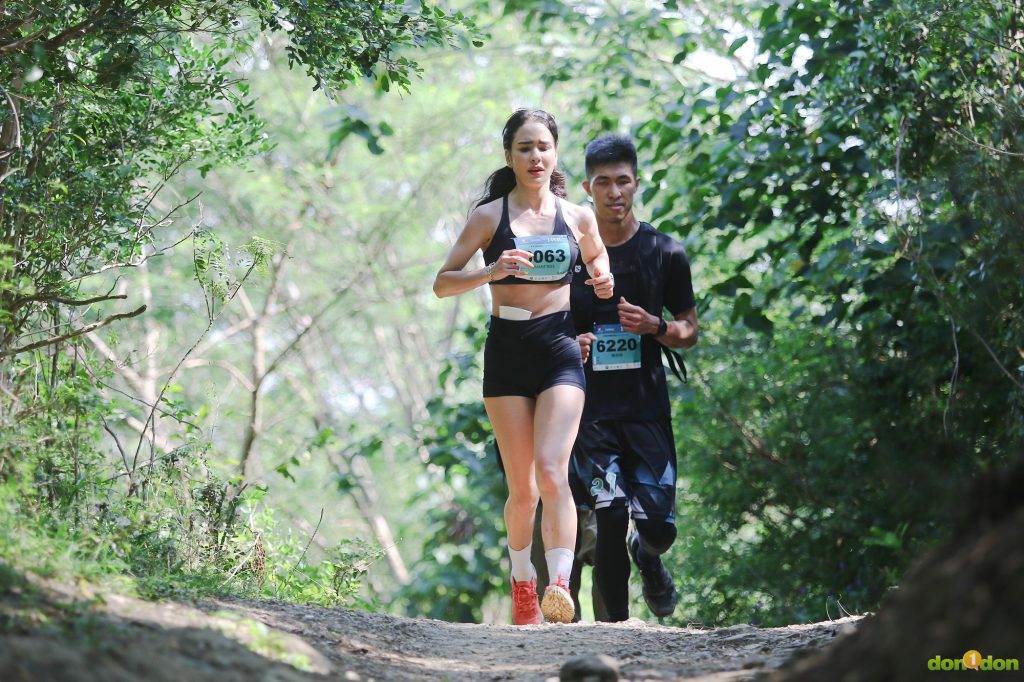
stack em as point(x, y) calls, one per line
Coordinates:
point(554, 255)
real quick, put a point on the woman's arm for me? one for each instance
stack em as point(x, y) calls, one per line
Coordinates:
point(593, 253)
point(451, 279)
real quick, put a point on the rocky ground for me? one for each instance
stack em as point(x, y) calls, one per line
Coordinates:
point(118, 638)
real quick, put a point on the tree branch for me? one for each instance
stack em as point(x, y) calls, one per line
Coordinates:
point(80, 28)
point(133, 378)
point(226, 366)
point(37, 298)
point(72, 334)
point(18, 44)
point(117, 442)
point(981, 144)
point(995, 358)
point(188, 353)
point(10, 135)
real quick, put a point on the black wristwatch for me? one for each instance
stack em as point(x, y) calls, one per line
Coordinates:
point(662, 327)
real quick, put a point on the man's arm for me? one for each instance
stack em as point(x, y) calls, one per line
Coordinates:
point(680, 332)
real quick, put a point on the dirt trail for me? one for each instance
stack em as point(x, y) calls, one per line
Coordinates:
point(390, 648)
point(128, 639)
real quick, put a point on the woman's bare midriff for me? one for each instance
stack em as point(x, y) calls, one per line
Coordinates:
point(539, 299)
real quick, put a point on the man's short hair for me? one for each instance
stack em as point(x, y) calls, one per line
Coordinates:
point(610, 148)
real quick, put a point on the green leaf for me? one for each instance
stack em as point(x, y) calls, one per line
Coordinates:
point(737, 44)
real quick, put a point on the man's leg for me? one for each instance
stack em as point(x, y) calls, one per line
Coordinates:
point(586, 554)
point(537, 549)
point(658, 588)
point(611, 563)
point(652, 480)
point(600, 477)
point(656, 537)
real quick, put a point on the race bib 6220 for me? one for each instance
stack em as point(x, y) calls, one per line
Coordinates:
point(614, 349)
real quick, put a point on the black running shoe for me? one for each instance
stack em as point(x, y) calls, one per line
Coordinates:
point(659, 592)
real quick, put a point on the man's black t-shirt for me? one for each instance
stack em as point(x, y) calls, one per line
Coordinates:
point(642, 393)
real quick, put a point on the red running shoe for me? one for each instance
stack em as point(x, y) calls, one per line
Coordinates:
point(525, 609)
point(558, 606)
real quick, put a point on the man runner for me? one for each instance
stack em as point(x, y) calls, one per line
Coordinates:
point(624, 461)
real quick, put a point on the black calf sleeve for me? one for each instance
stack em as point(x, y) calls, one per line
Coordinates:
point(611, 562)
point(655, 536)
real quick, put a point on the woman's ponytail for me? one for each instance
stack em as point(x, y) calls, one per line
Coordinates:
point(500, 183)
point(557, 184)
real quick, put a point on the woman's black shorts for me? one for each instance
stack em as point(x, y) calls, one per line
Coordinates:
point(526, 357)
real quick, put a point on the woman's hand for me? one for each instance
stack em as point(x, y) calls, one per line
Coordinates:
point(511, 263)
point(603, 283)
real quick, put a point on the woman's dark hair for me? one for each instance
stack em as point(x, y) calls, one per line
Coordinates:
point(503, 180)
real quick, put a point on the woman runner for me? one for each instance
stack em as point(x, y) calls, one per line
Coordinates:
point(533, 376)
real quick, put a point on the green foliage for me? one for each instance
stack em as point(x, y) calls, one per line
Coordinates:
point(356, 122)
point(465, 493)
point(182, 536)
point(220, 272)
point(371, 36)
point(104, 105)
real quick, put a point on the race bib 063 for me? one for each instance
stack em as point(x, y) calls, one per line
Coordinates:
point(614, 349)
point(550, 256)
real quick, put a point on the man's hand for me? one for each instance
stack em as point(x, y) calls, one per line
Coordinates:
point(635, 319)
point(585, 341)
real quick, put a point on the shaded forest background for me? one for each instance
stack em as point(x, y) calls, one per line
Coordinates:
point(222, 369)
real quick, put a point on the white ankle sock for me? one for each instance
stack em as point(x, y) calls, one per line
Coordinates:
point(559, 562)
point(522, 568)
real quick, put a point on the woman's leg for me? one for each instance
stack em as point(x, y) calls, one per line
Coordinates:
point(512, 420)
point(556, 421)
